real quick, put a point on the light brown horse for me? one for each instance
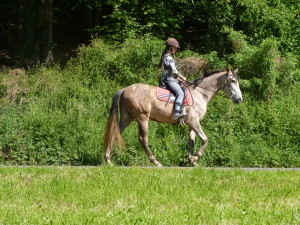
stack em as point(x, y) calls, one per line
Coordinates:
point(139, 102)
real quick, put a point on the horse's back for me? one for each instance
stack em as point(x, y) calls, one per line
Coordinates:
point(140, 100)
point(139, 91)
point(139, 96)
point(139, 87)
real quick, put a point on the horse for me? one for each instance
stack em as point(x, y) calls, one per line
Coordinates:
point(139, 102)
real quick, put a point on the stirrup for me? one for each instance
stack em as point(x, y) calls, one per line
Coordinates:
point(178, 115)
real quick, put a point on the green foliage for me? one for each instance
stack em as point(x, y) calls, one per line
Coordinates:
point(271, 19)
point(51, 116)
point(197, 24)
point(200, 23)
point(254, 133)
point(57, 122)
point(130, 19)
point(120, 63)
point(264, 67)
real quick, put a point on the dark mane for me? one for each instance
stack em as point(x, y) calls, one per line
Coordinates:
point(206, 74)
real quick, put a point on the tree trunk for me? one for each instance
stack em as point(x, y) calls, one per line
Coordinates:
point(45, 30)
point(35, 31)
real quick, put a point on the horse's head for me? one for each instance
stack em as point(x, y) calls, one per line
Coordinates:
point(232, 87)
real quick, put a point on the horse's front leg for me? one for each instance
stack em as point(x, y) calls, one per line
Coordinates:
point(192, 137)
point(199, 131)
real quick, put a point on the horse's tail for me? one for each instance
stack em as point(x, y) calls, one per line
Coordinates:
point(112, 131)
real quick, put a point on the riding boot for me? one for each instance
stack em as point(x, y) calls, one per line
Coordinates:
point(178, 113)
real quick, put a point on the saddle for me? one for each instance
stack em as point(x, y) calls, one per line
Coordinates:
point(163, 94)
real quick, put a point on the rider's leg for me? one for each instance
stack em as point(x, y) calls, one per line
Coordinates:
point(175, 87)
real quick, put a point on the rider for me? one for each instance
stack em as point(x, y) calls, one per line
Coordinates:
point(171, 76)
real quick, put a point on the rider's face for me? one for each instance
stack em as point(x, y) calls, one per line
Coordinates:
point(174, 50)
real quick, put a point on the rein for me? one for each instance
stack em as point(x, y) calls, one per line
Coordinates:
point(217, 93)
point(188, 83)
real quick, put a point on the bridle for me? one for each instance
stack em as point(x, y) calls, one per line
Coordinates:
point(188, 83)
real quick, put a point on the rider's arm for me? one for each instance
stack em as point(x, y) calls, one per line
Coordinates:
point(170, 63)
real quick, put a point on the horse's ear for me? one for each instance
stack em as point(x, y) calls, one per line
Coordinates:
point(236, 71)
point(227, 69)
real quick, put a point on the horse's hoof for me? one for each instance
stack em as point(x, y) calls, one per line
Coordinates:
point(195, 164)
point(193, 160)
point(158, 165)
point(109, 163)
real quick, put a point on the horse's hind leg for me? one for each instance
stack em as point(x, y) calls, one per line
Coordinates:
point(143, 139)
point(125, 119)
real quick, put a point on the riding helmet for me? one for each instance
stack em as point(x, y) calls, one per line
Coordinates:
point(172, 42)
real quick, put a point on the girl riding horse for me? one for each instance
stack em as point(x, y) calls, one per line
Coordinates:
point(171, 76)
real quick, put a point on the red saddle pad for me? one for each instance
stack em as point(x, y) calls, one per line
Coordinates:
point(165, 95)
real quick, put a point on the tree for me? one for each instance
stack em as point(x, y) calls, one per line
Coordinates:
point(27, 25)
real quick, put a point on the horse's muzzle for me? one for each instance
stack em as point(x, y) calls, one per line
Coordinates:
point(237, 100)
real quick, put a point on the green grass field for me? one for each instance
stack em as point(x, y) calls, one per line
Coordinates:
point(103, 195)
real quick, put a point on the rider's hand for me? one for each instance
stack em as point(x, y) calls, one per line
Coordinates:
point(182, 77)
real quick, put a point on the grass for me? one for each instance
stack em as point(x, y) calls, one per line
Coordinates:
point(102, 195)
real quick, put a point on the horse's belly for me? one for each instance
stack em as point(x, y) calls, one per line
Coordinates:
point(162, 112)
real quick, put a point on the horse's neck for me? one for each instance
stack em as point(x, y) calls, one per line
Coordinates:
point(211, 85)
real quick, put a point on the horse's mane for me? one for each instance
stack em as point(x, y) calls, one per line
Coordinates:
point(205, 74)
point(208, 73)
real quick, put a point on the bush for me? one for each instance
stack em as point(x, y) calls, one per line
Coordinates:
point(51, 116)
point(262, 66)
point(134, 61)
